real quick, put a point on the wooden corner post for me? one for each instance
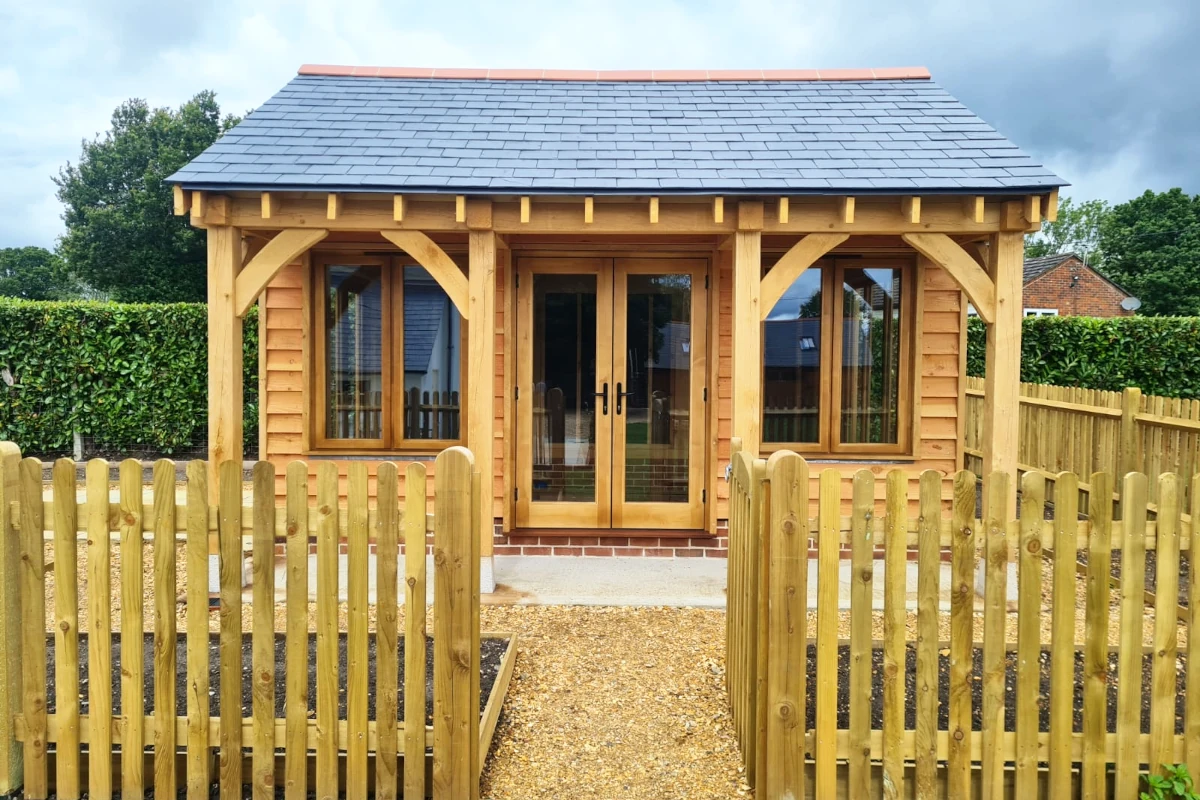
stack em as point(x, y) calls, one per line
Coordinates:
point(1002, 377)
point(11, 761)
point(747, 326)
point(224, 351)
point(481, 382)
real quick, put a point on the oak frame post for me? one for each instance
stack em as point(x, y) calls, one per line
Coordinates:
point(1002, 376)
point(747, 326)
point(481, 381)
point(12, 761)
point(225, 434)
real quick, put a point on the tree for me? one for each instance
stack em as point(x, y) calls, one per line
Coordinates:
point(34, 273)
point(1077, 230)
point(122, 237)
point(1151, 247)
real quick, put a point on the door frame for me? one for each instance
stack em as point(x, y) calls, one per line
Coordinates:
point(604, 264)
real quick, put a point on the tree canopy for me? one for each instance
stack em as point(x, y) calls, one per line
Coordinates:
point(1077, 230)
point(34, 273)
point(1151, 247)
point(121, 236)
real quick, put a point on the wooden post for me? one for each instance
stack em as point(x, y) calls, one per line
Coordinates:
point(1002, 377)
point(224, 352)
point(481, 381)
point(11, 762)
point(1131, 403)
point(747, 329)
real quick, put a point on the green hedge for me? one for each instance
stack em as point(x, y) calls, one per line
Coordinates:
point(130, 377)
point(1159, 355)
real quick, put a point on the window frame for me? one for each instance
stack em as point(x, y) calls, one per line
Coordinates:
point(392, 353)
point(830, 408)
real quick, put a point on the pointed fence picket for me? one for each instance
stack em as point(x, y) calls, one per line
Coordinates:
point(990, 711)
point(127, 543)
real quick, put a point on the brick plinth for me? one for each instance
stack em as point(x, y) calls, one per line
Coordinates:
point(612, 543)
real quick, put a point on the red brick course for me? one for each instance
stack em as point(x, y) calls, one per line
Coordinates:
point(614, 544)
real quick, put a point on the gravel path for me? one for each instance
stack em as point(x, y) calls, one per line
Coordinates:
point(614, 702)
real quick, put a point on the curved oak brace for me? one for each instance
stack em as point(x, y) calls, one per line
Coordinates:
point(275, 255)
point(803, 255)
point(949, 255)
point(435, 261)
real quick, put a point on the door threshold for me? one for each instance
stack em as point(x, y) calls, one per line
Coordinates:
point(632, 533)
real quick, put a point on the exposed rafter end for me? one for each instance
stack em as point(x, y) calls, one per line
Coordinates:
point(525, 210)
point(589, 210)
point(718, 210)
point(398, 207)
point(653, 210)
point(269, 205)
point(460, 208)
point(1051, 209)
point(910, 207)
point(333, 206)
point(199, 205)
point(1032, 209)
point(783, 211)
point(181, 199)
point(973, 207)
point(846, 210)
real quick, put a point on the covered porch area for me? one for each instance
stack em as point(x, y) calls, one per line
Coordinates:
point(830, 325)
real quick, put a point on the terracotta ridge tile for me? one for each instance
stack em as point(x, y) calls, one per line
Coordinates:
point(663, 75)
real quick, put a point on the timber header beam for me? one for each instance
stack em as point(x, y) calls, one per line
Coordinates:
point(949, 255)
point(879, 215)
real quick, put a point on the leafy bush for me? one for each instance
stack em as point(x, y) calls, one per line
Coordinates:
point(1159, 355)
point(1175, 782)
point(131, 377)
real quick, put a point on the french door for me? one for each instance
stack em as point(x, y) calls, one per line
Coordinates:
point(611, 371)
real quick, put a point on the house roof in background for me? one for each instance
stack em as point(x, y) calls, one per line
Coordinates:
point(1037, 267)
point(661, 132)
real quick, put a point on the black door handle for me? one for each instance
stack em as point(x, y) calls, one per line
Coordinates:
point(621, 395)
point(603, 394)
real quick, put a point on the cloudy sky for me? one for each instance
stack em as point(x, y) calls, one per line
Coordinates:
point(1102, 91)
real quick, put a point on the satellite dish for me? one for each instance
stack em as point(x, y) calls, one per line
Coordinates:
point(1131, 304)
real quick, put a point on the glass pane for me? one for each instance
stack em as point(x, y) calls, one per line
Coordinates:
point(792, 363)
point(354, 352)
point(871, 356)
point(432, 344)
point(564, 386)
point(658, 367)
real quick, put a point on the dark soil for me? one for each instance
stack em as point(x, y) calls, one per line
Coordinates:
point(1010, 683)
point(492, 651)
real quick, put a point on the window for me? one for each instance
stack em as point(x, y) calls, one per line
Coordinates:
point(388, 354)
point(1041, 312)
point(836, 353)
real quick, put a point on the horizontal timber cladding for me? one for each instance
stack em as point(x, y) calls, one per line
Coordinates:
point(937, 375)
point(287, 373)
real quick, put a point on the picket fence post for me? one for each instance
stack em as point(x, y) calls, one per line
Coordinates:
point(11, 761)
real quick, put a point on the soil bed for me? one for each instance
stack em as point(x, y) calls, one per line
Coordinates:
point(492, 652)
point(1010, 683)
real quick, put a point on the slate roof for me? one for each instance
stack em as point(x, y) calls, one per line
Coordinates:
point(1037, 267)
point(627, 133)
point(425, 304)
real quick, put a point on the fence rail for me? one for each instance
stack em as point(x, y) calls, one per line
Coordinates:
point(818, 713)
point(354, 751)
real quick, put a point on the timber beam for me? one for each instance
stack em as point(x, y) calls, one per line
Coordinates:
point(286, 247)
point(875, 215)
point(950, 256)
point(795, 261)
point(440, 266)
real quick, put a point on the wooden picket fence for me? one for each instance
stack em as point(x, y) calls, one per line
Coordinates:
point(1069, 429)
point(1019, 737)
point(329, 752)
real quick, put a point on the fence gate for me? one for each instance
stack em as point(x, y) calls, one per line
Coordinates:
point(1027, 702)
point(140, 685)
